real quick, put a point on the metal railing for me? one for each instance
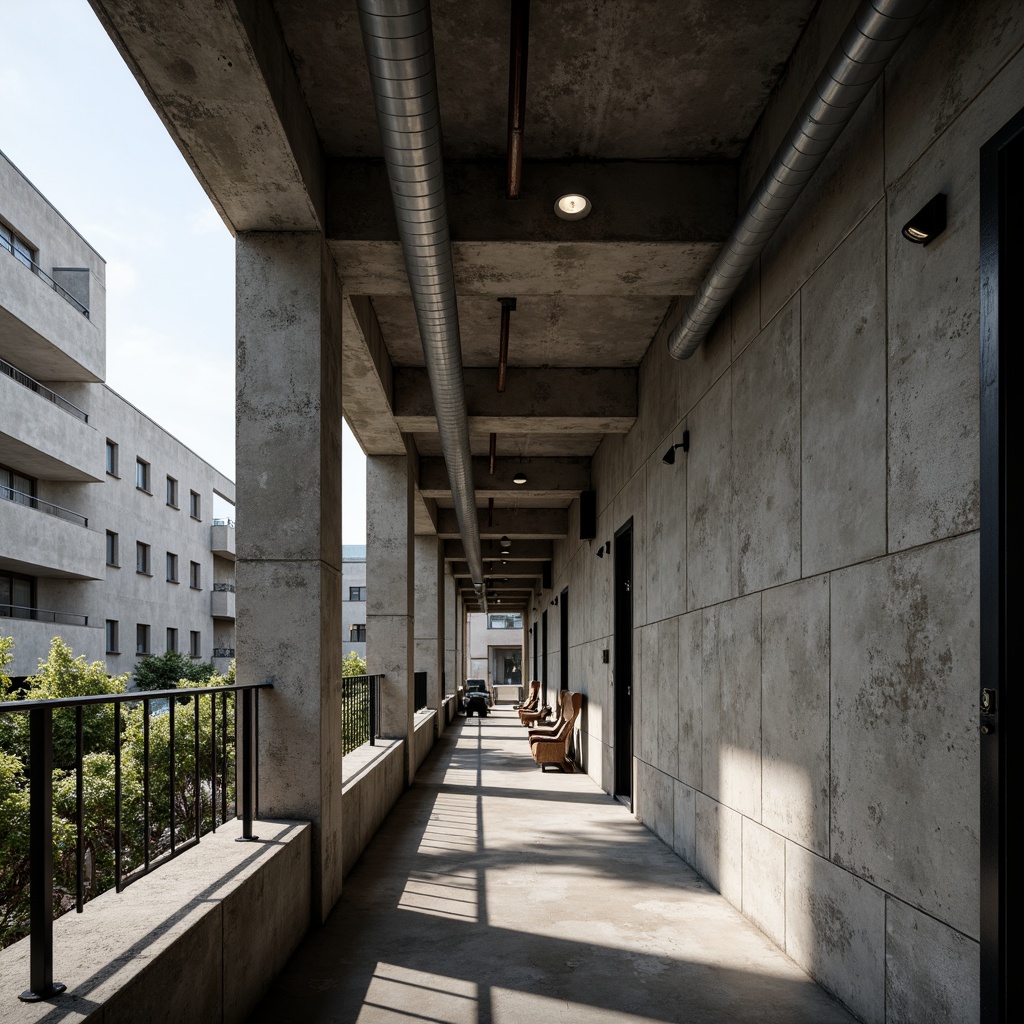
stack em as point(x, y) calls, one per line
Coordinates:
point(223, 652)
point(224, 588)
point(21, 611)
point(130, 864)
point(20, 377)
point(31, 264)
point(31, 501)
point(360, 703)
point(223, 522)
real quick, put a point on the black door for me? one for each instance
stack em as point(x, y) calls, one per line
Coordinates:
point(622, 668)
point(563, 646)
point(1002, 331)
point(544, 659)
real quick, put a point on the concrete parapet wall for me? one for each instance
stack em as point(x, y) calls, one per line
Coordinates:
point(377, 781)
point(198, 940)
point(423, 736)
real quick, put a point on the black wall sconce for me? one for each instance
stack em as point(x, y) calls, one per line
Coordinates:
point(669, 457)
point(928, 223)
point(604, 549)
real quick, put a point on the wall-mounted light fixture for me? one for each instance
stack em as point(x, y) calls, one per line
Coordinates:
point(670, 456)
point(928, 223)
point(519, 478)
point(505, 543)
point(605, 548)
point(572, 206)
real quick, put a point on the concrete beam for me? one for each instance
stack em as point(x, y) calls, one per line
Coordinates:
point(491, 550)
point(577, 400)
point(523, 523)
point(221, 79)
point(545, 478)
point(639, 201)
point(512, 571)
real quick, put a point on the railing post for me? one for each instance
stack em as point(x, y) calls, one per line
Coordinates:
point(41, 983)
point(248, 746)
point(373, 708)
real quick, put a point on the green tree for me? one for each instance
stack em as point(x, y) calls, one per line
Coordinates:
point(353, 665)
point(165, 671)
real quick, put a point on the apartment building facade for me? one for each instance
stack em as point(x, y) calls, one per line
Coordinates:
point(107, 535)
point(353, 597)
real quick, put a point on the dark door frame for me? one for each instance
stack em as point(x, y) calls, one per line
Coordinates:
point(1002, 331)
point(563, 640)
point(544, 658)
point(622, 674)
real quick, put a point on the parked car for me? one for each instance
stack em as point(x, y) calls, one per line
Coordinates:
point(477, 698)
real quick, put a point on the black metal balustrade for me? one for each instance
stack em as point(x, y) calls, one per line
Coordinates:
point(20, 611)
point(224, 588)
point(31, 501)
point(360, 701)
point(223, 652)
point(128, 865)
point(22, 378)
point(223, 522)
point(31, 264)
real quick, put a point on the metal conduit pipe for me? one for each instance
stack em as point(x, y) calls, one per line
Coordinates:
point(872, 37)
point(399, 47)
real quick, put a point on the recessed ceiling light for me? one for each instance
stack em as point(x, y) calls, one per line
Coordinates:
point(572, 206)
point(519, 478)
point(505, 543)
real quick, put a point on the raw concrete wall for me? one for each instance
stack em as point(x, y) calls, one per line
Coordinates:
point(806, 578)
point(368, 796)
point(196, 941)
point(424, 733)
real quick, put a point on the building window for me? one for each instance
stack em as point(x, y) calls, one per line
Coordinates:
point(357, 633)
point(111, 458)
point(357, 593)
point(112, 647)
point(505, 620)
point(17, 596)
point(194, 575)
point(112, 556)
point(142, 475)
point(142, 558)
point(141, 639)
point(16, 487)
point(195, 644)
point(172, 639)
point(194, 505)
point(172, 492)
point(172, 567)
point(17, 246)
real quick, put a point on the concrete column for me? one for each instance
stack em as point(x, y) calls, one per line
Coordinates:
point(451, 657)
point(288, 571)
point(390, 604)
point(429, 625)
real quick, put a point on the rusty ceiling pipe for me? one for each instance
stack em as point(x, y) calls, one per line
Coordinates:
point(519, 40)
point(507, 308)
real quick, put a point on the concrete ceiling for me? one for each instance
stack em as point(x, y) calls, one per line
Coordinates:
point(643, 105)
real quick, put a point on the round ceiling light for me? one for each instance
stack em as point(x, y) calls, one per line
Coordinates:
point(505, 542)
point(572, 206)
point(519, 478)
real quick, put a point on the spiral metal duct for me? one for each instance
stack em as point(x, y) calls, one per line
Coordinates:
point(399, 47)
point(872, 37)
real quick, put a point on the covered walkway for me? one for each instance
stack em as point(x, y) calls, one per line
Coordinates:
point(494, 893)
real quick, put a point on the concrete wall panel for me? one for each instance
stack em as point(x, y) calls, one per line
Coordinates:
point(684, 840)
point(766, 455)
point(843, 402)
point(764, 880)
point(731, 703)
point(795, 712)
point(718, 849)
point(689, 686)
point(904, 727)
point(666, 531)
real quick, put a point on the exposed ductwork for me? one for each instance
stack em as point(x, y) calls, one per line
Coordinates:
point(399, 47)
point(872, 37)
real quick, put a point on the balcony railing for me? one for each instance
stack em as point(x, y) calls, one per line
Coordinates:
point(20, 611)
point(224, 588)
point(31, 264)
point(223, 652)
point(42, 390)
point(140, 819)
point(31, 501)
point(223, 522)
point(360, 700)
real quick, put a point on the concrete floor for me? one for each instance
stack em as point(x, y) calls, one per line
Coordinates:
point(495, 894)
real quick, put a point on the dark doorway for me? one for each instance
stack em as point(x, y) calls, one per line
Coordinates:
point(622, 668)
point(536, 659)
point(563, 644)
point(1002, 331)
point(544, 659)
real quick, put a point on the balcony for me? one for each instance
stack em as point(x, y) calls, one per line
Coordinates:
point(33, 630)
point(222, 601)
point(61, 546)
point(47, 329)
point(42, 433)
point(222, 539)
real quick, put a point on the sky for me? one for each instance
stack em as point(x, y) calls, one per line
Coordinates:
point(76, 124)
